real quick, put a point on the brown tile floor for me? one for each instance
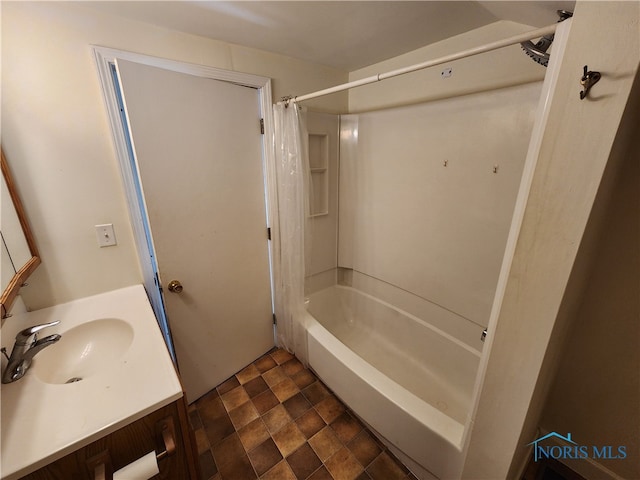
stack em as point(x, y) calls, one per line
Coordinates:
point(274, 420)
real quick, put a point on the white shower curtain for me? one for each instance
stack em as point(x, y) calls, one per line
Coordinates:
point(292, 176)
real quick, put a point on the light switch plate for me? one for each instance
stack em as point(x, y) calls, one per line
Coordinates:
point(106, 235)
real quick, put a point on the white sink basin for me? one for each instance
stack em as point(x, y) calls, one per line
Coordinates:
point(84, 351)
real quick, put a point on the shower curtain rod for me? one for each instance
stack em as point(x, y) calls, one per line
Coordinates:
point(523, 37)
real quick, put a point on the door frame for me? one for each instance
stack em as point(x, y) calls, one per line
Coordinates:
point(105, 59)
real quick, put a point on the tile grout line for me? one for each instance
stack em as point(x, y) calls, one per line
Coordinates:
point(352, 421)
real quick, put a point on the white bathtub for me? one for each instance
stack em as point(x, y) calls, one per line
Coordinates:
point(408, 380)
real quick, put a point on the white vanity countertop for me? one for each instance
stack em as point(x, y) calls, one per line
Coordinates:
point(42, 422)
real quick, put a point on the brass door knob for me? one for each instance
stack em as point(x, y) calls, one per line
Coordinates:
point(175, 286)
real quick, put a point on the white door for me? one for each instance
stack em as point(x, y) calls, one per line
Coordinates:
point(198, 147)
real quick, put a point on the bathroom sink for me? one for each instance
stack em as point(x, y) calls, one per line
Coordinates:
point(84, 351)
point(111, 341)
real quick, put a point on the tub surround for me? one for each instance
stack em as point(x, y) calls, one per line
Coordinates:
point(422, 210)
point(438, 316)
point(410, 381)
point(429, 363)
point(42, 422)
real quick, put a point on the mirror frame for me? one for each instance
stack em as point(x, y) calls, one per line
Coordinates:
point(10, 293)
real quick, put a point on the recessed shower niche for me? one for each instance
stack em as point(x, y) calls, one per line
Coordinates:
point(318, 164)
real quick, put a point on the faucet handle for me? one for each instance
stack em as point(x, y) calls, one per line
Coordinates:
point(23, 336)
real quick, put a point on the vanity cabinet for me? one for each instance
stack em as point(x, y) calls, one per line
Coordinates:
point(156, 431)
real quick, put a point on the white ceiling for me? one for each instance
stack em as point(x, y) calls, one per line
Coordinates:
point(343, 34)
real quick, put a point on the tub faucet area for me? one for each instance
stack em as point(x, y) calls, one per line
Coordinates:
point(25, 348)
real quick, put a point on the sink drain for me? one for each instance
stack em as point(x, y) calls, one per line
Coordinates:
point(73, 380)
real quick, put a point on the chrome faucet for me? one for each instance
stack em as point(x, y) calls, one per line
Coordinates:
point(26, 347)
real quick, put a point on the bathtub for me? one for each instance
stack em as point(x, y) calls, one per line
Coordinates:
point(411, 382)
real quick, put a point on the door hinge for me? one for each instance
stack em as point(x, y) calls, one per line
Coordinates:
point(262, 126)
point(268, 233)
point(275, 321)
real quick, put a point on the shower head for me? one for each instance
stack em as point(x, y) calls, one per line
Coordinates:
point(538, 50)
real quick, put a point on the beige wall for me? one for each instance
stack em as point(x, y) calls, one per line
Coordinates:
point(596, 393)
point(505, 67)
point(57, 138)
